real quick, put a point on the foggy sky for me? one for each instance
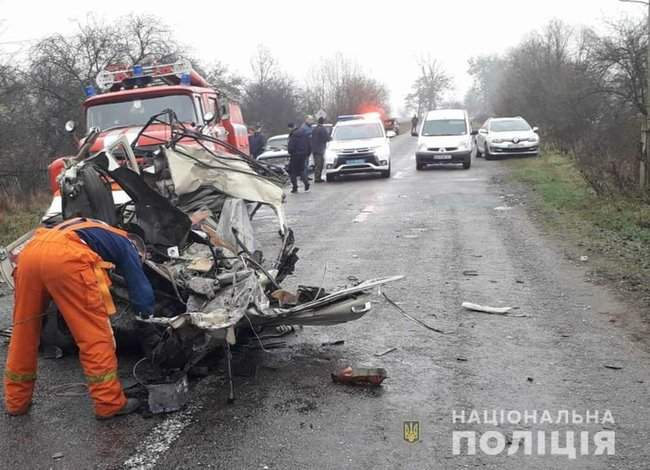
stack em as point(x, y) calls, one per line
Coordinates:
point(384, 37)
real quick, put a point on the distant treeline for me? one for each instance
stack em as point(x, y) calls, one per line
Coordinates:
point(585, 90)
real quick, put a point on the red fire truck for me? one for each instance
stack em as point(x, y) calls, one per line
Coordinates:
point(127, 97)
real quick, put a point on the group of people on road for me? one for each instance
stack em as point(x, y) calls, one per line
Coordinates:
point(304, 140)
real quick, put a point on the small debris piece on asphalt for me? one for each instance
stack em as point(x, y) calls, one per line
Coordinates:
point(383, 353)
point(502, 208)
point(584, 259)
point(333, 343)
point(609, 366)
point(360, 376)
point(530, 379)
point(486, 309)
point(470, 272)
point(413, 319)
point(58, 455)
point(461, 359)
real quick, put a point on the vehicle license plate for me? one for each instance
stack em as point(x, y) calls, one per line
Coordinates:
point(356, 161)
point(442, 157)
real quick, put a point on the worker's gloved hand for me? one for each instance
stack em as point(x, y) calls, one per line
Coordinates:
point(143, 315)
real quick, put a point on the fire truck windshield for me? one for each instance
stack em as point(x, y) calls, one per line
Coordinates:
point(138, 111)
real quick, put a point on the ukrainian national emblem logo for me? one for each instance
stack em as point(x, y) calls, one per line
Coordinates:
point(411, 431)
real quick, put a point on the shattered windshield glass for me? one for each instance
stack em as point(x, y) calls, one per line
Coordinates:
point(137, 112)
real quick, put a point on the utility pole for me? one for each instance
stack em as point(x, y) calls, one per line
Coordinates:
point(644, 164)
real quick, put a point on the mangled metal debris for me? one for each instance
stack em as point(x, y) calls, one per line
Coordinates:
point(194, 205)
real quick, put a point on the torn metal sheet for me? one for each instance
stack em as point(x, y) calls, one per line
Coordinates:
point(192, 168)
point(209, 274)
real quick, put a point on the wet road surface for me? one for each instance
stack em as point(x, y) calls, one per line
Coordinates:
point(438, 227)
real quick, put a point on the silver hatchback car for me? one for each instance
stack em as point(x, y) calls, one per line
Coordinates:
point(507, 136)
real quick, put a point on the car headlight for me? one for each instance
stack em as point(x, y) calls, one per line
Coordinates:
point(462, 145)
point(383, 151)
point(422, 147)
point(532, 138)
point(497, 141)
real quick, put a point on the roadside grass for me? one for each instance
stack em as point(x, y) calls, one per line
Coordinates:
point(614, 230)
point(19, 215)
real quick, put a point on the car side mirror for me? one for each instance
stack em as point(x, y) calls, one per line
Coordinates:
point(482, 131)
point(536, 129)
point(390, 134)
point(208, 117)
point(70, 126)
point(474, 132)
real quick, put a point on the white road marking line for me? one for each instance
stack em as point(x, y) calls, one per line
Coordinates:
point(161, 439)
point(364, 214)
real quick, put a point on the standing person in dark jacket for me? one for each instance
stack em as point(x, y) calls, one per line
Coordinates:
point(299, 150)
point(256, 142)
point(319, 138)
point(414, 124)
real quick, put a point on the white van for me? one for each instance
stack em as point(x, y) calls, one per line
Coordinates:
point(445, 137)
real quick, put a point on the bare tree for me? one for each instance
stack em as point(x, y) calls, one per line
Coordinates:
point(430, 85)
point(338, 85)
point(270, 98)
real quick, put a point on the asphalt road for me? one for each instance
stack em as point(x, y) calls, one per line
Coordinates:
point(442, 230)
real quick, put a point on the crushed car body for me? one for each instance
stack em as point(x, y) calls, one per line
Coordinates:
point(194, 207)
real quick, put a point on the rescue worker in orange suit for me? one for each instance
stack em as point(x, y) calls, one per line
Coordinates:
point(68, 264)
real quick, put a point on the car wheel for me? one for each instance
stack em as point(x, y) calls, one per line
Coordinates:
point(487, 154)
point(330, 178)
point(467, 164)
point(419, 166)
point(478, 152)
point(386, 174)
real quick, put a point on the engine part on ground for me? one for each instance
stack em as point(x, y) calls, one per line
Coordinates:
point(168, 396)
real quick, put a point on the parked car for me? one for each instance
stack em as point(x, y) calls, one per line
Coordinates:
point(275, 151)
point(445, 137)
point(358, 146)
point(391, 124)
point(507, 136)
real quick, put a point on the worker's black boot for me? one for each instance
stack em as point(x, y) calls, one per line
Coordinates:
point(132, 404)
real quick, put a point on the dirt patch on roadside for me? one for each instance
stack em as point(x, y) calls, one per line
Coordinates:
point(609, 258)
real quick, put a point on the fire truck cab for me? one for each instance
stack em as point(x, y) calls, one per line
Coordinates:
point(128, 97)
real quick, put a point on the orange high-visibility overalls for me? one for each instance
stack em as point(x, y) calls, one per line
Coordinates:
point(56, 264)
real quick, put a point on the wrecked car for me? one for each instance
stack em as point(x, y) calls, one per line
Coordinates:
point(194, 206)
